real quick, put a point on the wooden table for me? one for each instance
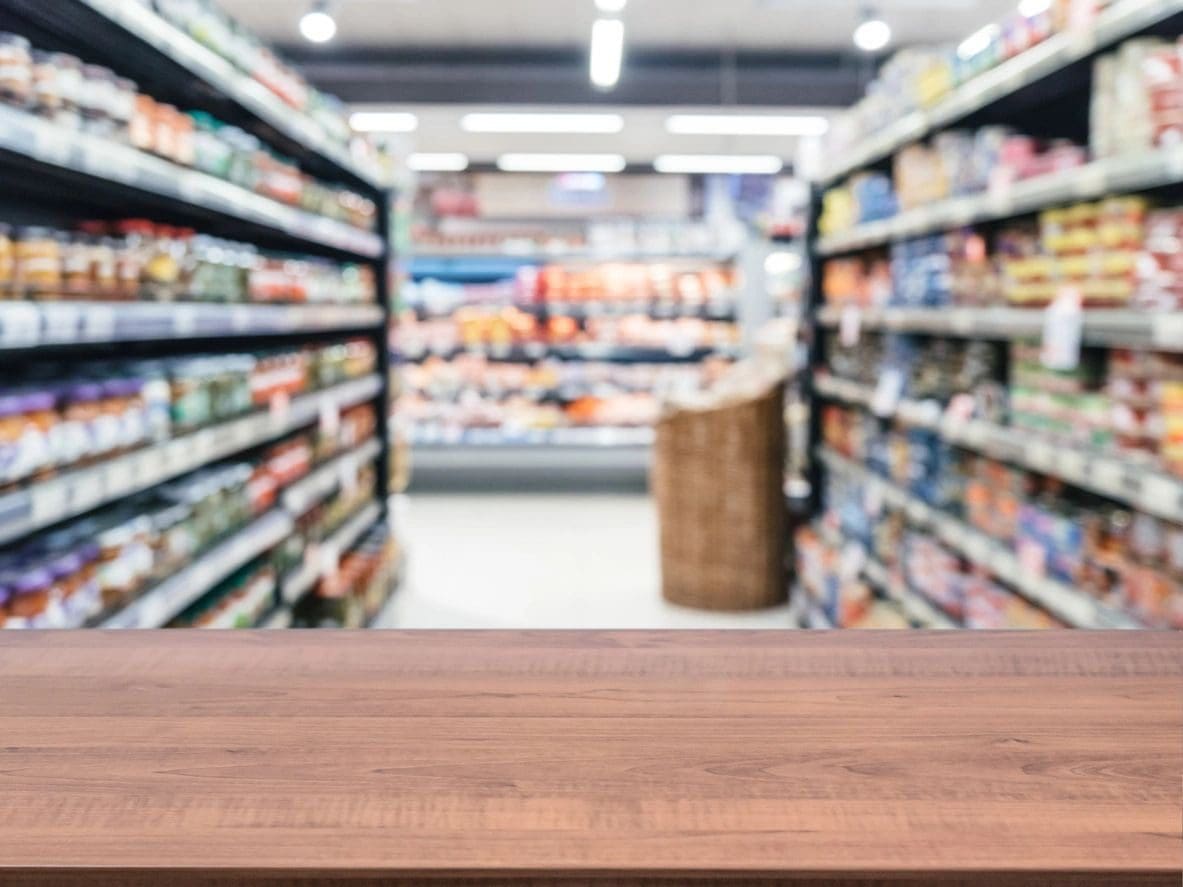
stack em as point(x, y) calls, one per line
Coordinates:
point(180, 759)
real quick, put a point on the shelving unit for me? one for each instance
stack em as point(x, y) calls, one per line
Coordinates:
point(488, 288)
point(1052, 58)
point(80, 159)
point(1053, 76)
point(1071, 606)
point(1117, 175)
point(323, 560)
point(61, 176)
point(152, 49)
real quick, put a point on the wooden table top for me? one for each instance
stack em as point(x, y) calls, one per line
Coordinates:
point(846, 758)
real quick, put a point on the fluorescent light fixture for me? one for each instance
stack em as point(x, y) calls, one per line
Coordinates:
point(561, 163)
point(611, 6)
point(746, 125)
point(705, 164)
point(542, 123)
point(607, 52)
point(1032, 8)
point(317, 25)
point(872, 35)
point(976, 42)
point(383, 121)
point(445, 162)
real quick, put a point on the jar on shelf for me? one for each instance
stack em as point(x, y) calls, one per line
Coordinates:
point(47, 98)
point(211, 153)
point(161, 273)
point(76, 266)
point(82, 411)
point(123, 107)
point(104, 267)
point(16, 70)
point(116, 572)
point(97, 98)
point(136, 236)
point(7, 263)
point(69, 86)
point(43, 431)
point(38, 262)
point(32, 601)
point(142, 126)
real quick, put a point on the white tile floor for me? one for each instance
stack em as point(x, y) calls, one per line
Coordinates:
point(541, 561)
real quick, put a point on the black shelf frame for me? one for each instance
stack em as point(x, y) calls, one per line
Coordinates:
point(67, 187)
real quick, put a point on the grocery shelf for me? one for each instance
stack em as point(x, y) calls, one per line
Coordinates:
point(1115, 175)
point(56, 324)
point(1064, 602)
point(82, 490)
point(1123, 19)
point(32, 139)
point(1102, 327)
point(915, 606)
point(323, 559)
point(308, 491)
point(1122, 479)
point(156, 607)
point(145, 42)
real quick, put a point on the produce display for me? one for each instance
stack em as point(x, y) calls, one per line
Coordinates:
point(92, 99)
point(139, 260)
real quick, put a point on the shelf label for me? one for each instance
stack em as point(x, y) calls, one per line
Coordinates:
point(850, 326)
point(330, 417)
point(888, 392)
point(1063, 324)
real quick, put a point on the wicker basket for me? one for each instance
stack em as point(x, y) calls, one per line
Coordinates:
point(719, 483)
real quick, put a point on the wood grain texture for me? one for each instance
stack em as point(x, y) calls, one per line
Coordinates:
point(608, 758)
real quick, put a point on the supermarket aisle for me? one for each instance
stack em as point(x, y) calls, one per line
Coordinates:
point(542, 561)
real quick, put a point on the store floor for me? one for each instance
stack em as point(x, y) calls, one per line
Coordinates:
point(541, 561)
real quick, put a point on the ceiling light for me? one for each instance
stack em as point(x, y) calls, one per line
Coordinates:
point(872, 33)
point(543, 123)
point(737, 164)
point(749, 125)
point(561, 163)
point(383, 121)
point(611, 5)
point(607, 52)
point(317, 25)
point(445, 162)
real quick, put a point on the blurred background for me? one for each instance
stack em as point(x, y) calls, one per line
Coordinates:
point(591, 314)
